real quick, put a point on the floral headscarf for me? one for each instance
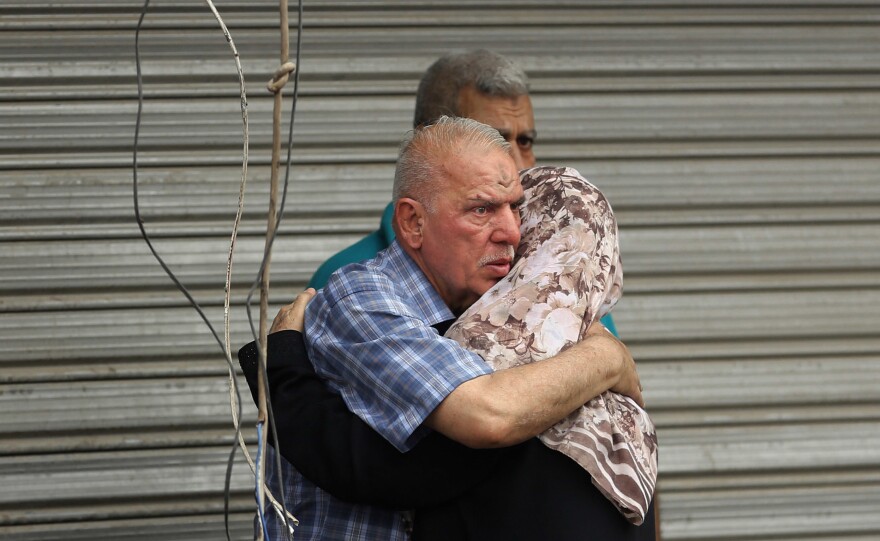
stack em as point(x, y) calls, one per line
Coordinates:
point(568, 275)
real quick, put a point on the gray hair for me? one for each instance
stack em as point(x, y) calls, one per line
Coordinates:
point(490, 73)
point(424, 151)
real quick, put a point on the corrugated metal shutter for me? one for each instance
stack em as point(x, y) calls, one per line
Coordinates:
point(739, 143)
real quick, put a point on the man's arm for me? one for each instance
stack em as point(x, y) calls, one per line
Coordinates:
point(370, 336)
point(373, 340)
point(510, 406)
point(340, 453)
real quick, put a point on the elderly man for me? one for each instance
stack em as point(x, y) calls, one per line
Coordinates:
point(479, 84)
point(370, 330)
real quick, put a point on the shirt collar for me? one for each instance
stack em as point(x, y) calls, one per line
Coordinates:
point(405, 272)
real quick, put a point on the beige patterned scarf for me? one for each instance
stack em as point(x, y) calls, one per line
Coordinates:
point(568, 275)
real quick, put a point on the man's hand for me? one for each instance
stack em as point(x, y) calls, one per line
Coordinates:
point(292, 316)
point(627, 377)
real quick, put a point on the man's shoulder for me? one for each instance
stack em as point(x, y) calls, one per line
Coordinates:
point(391, 284)
point(368, 276)
point(364, 284)
point(364, 249)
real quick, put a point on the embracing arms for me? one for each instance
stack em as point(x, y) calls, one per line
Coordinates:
point(337, 451)
point(509, 406)
point(340, 453)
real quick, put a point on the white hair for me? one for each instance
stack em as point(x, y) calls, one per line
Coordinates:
point(423, 151)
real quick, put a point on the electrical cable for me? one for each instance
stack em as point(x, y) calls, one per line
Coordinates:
point(235, 395)
point(260, 511)
point(161, 261)
point(235, 398)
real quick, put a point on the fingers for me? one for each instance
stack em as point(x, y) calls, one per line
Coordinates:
point(292, 316)
point(628, 382)
point(635, 385)
point(637, 396)
point(298, 310)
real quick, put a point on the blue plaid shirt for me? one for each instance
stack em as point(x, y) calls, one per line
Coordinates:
point(368, 333)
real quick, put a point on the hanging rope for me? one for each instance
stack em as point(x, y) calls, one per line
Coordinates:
point(275, 86)
point(280, 78)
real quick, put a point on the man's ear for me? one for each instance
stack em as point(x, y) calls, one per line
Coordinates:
point(409, 215)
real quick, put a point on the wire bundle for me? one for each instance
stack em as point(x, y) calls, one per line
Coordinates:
point(234, 393)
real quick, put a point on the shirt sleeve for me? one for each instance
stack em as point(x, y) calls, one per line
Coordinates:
point(391, 368)
point(337, 451)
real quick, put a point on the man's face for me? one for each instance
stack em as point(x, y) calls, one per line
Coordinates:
point(512, 117)
point(469, 237)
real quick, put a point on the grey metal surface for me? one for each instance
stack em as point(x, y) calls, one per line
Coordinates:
point(739, 145)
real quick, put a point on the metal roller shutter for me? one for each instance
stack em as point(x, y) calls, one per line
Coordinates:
point(737, 141)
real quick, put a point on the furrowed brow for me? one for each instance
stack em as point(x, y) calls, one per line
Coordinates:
point(483, 201)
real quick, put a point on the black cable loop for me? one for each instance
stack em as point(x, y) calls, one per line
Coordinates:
point(267, 251)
